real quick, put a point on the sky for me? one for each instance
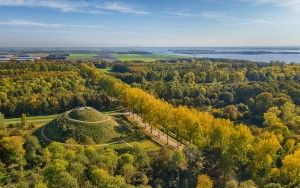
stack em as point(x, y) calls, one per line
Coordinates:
point(149, 23)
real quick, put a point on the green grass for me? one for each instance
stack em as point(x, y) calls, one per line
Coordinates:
point(81, 56)
point(87, 114)
point(106, 70)
point(82, 124)
point(33, 119)
point(145, 57)
point(147, 145)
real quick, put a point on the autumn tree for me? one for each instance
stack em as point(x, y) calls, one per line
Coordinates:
point(204, 181)
point(264, 154)
point(11, 150)
point(291, 169)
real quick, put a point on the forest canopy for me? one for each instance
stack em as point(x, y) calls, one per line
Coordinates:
point(239, 123)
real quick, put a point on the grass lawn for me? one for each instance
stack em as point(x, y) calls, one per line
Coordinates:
point(81, 56)
point(33, 119)
point(145, 57)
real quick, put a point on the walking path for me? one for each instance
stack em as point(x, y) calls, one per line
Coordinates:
point(87, 122)
point(156, 134)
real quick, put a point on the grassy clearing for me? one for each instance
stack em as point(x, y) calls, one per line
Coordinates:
point(33, 119)
point(147, 145)
point(106, 70)
point(144, 57)
point(81, 56)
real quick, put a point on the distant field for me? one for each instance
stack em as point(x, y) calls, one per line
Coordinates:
point(34, 119)
point(81, 56)
point(144, 57)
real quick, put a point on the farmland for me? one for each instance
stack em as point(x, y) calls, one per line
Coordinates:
point(85, 56)
point(144, 57)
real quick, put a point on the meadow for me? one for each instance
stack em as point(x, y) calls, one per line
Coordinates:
point(79, 56)
point(144, 57)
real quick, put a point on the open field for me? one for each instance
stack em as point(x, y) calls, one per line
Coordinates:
point(81, 56)
point(33, 119)
point(144, 57)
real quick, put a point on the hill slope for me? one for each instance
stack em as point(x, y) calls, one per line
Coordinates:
point(85, 125)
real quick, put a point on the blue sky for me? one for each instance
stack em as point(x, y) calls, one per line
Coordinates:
point(127, 23)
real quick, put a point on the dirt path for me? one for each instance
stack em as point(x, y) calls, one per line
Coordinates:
point(156, 134)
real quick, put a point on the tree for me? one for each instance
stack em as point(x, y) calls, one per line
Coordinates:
point(128, 171)
point(1, 120)
point(3, 128)
point(23, 120)
point(264, 102)
point(263, 154)
point(57, 150)
point(204, 181)
point(101, 178)
point(247, 184)
point(231, 112)
point(291, 168)
point(126, 158)
point(190, 78)
point(33, 151)
point(273, 122)
point(55, 171)
point(142, 160)
point(178, 162)
point(11, 150)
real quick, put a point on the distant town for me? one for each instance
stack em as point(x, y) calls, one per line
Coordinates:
point(20, 58)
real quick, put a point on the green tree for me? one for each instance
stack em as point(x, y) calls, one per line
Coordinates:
point(128, 171)
point(264, 101)
point(101, 178)
point(11, 150)
point(23, 120)
point(33, 151)
point(2, 120)
point(55, 171)
point(178, 163)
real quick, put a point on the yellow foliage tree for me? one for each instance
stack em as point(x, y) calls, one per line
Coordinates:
point(204, 181)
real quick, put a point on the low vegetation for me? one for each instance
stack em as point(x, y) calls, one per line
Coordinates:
point(83, 126)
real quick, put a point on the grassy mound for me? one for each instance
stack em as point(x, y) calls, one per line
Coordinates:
point(85, 125)
point(87, 114)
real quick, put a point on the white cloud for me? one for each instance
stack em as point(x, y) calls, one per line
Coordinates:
point(293, 5)
point(122, 8)
point(254, 22)
point(29, 23)
point(82, 6)
point(204, 14)
point(65, 6)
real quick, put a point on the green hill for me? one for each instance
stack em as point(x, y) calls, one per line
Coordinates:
point(86, 125)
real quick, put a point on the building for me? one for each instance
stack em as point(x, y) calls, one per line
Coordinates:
point(26, 57)
point(5, 58)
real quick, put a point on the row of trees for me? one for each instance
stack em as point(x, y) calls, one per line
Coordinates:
point(233, 90)
point(229, 152)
